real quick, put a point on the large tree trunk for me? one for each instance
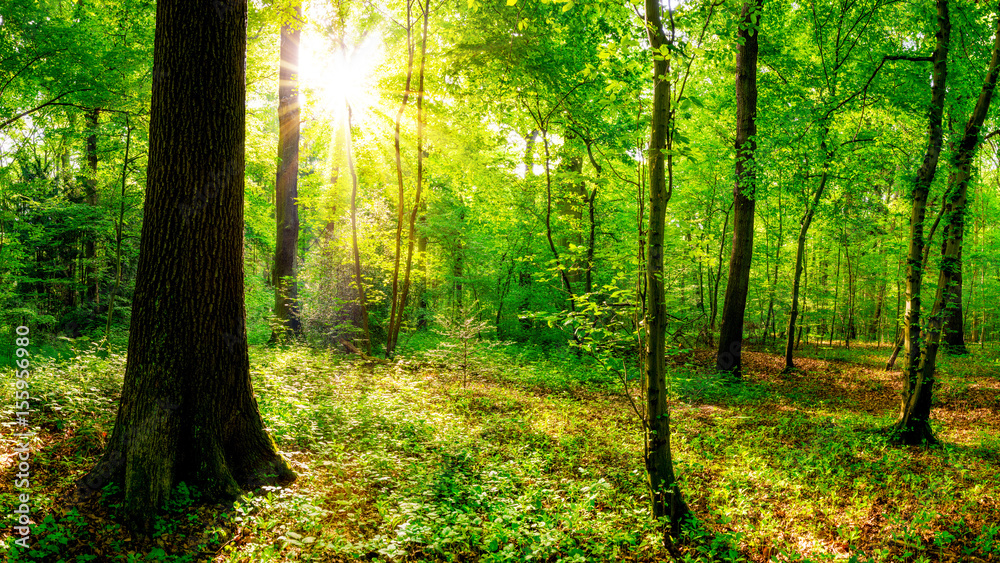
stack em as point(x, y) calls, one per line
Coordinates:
point(664, 491)
point(729, 356)
point(187, 411)
point(913, 426)
point(286, 184)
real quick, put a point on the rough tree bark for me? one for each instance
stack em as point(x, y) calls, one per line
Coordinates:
point(954, 325)
point(913, 426)
point(901, 337)
point(286, 185)
point(187, 411)
point(664, 491)
point(734, 306)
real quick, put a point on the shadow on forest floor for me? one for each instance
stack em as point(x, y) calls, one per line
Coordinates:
point(404, 463)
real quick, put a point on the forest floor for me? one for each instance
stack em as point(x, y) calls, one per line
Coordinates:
point(532, 457)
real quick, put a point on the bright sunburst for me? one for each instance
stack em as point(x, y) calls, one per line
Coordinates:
point(337, 74)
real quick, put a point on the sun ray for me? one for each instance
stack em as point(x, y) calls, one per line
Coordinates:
point(335, 74)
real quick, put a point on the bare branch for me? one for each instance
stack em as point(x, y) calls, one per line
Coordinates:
point(36, 108)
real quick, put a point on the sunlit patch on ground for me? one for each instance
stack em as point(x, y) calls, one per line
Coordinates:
point(416, 461)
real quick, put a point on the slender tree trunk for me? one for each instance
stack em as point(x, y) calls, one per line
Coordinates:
point(900, 339)
point(366, 335)
point(968, 317)
point(591, 241)
point(458, 272)
point(836, 299)
point(851, 287)
point(718, 271)
point(187, 410)
point(897, 334)
point(805, 300)
point(563, 274)
point(875, 333)
point(524, 279)
point(665, 493)
point(286, 211)
point(412, 234)
point(503, 289)
point(118, 231)
point(72, 294)
point(954, 327)
point(591, 199)
point(914, 425)
point(592, 238)
point(800, 250)
point(90, 280)
point(570, 208)
point(396, 313)
point(771, 315)
point(916, 411)
point(729, 356)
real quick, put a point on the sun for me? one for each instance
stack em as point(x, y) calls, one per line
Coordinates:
point(335, 76)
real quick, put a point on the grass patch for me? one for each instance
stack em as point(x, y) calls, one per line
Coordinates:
point(540, 460)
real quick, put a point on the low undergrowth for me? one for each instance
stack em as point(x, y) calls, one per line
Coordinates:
point(531, 459)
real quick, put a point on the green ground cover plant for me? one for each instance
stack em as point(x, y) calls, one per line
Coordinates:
point(402, 462)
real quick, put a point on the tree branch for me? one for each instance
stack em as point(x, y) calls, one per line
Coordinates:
point(36, 108)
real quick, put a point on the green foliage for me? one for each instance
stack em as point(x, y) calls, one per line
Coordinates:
point(462, 346)
point(534, 459)
point(536, 119)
